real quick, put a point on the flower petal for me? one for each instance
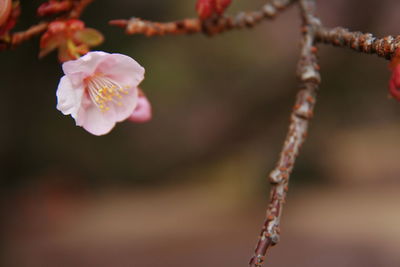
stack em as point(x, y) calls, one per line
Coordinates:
point(96, 121)
point(89, 36)
point(86, 65)
point(68, 97)
point(129, 103)
point(142, 112)
point(122, 69)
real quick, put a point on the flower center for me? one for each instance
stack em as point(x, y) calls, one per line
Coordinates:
point(103, 91)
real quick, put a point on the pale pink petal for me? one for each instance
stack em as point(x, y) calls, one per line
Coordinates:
point(68, 97)
point(123, 69)
point(81, 115)
point(96, 121)
point(86, 64)
point(129, 103)
point(142, 112)
point(81, 68)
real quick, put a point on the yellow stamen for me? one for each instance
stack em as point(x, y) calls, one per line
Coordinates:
point(103, 91)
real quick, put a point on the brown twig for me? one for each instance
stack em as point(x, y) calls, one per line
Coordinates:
point(362, 42)
point(149, 28)
point(20, 37)
point(210, 26)
point(78, 8)
point(309, 77)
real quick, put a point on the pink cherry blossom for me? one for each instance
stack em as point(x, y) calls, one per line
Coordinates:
point(142, 112)
point(99, 90)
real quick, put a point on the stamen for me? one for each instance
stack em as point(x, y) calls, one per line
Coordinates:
point(103, 90)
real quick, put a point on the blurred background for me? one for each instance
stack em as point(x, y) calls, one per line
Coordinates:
point(189, 188)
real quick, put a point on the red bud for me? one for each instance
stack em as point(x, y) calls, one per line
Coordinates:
point(5, 10)
point(11, 19)
point(206, 8)
point(394, 84)
point(70, 37)
point(53, 7)
point(221, 5)
point(57, 27)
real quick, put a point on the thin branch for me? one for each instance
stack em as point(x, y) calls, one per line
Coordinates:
point(149, 28)
point(20, 37)
point(78, 8)
point(361, 42)
point(309, 78)
point(210, 26)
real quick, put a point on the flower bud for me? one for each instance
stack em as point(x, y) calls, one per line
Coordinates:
point(9, 14)
point(394, 84)
point(53, 7)
point(70, 37)
point(5, 11)
point(206, 8)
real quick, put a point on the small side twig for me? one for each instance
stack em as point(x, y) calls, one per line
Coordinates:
point(210, 26)
point(309, 78)
point(78, 8)
point(150, 28)
point(361, 42)
point(20, 37)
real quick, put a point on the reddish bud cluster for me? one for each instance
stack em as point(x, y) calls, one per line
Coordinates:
point(5, 10)
point(206, 8)
point(9, 14)
point(394, 83)
point(53, 7)
point(70, 37)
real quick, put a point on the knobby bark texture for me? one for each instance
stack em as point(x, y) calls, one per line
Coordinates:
point(20, 37)
point(309, 79)
point(212, 26)
point(358, 41)
point(338, 36)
